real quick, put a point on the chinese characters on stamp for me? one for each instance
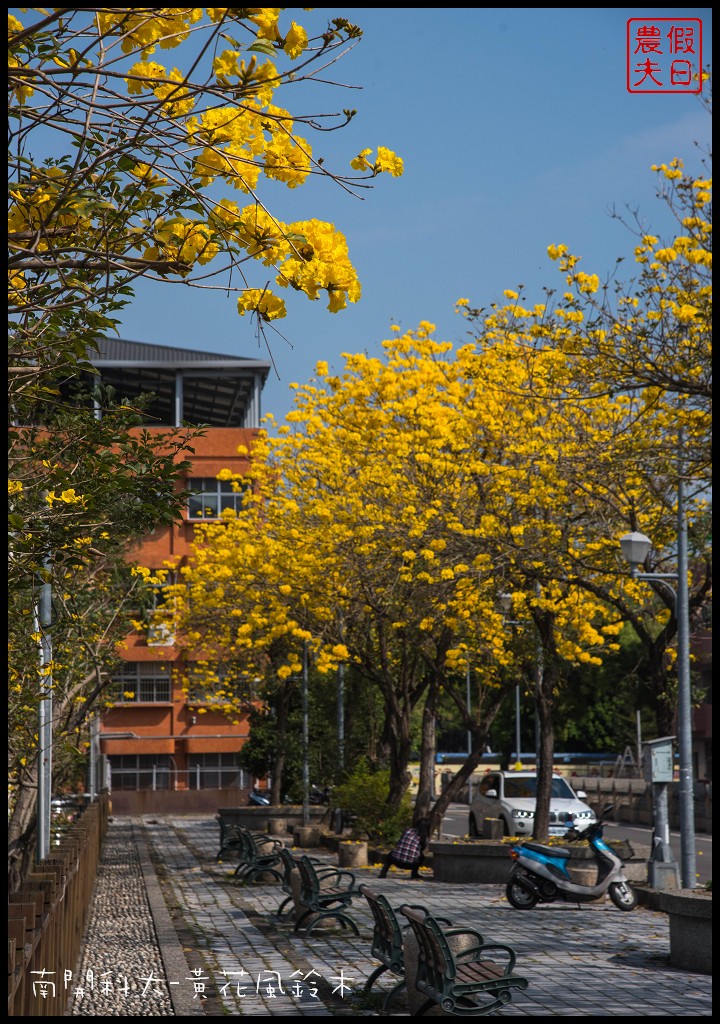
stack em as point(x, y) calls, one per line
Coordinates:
point(664, 55)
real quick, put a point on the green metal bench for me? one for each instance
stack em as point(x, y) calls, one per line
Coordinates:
point(259, 857)
point(289, 863)
point(387, 941)
point(474, 981)
point(230, 839)
point(324, 894)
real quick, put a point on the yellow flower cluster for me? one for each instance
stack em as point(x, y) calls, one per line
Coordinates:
point(67, 497)
point(183, 242)
point(23, 91)
point(385, 160)
point(143, 29)
point(43, 204)
point(262, 302)
point(321, 264)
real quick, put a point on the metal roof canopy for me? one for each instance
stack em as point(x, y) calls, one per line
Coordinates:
point(189, 385)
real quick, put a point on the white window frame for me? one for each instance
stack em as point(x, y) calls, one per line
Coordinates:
point(211, 497)
point(141, 677)
point(140, 771)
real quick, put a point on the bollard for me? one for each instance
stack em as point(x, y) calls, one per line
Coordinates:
point(492, 828)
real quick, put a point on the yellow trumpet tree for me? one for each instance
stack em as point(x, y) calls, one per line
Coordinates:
point(649, 336)
point(647, 343)
point(122, 166)
point(397, 501)
point(404, 493)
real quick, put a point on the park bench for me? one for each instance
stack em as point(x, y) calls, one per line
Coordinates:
point(289, 863)
point(230, 839)
point(387, 941)
point(259, 856)
point(476, 980)
point(324, 894)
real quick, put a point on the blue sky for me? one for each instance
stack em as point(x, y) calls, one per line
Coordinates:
point(517, 132)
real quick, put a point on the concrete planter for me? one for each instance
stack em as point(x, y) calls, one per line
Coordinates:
point(352, 855)
point(690, 915)
point(306, 836)
point(481, 860)
point(487, 861)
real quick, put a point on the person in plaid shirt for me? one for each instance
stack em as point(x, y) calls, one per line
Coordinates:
point(408, 852)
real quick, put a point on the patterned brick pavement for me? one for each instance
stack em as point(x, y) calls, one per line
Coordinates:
point(224, 953)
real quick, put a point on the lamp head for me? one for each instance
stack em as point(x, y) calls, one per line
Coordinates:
point(635, 548)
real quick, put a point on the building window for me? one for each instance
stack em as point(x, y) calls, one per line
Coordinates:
point(214, 771)
point(210, 497)
point(209, 682)
point(141, 682)
point(140, 771)
point(158, 609)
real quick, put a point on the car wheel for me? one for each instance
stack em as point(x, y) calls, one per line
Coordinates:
point(472, 828)
point(506, 827)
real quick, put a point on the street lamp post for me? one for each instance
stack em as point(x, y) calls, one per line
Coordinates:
point(305, 740)
point(506, 604)
point(635, 548)
point(43, 620)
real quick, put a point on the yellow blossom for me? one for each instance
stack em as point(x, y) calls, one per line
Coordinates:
point(296, 40)
point(263, 302)
point(666, 255)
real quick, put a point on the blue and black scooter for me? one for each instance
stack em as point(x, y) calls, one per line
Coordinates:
point(539, 873)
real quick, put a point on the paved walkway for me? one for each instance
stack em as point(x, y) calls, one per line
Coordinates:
point(216, 949)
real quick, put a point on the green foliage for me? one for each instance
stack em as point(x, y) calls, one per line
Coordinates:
point(364, 794)
point(362, 711)
point(260, 751)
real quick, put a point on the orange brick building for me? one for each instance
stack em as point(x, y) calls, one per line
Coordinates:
point(160, 752)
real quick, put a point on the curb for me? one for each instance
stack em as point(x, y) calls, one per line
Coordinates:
point(169, 946)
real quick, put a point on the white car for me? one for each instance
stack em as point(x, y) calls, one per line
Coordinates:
point(510, 796)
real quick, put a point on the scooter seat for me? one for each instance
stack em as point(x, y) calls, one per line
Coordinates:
point(549, 851)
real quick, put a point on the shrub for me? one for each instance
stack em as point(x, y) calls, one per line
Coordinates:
point(364, 795)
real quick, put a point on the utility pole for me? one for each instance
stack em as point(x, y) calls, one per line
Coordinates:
point(341, 717)
point(539, 676)
point(305, 739)
point(43, 619)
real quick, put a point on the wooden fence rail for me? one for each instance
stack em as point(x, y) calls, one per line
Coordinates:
point(47, 916)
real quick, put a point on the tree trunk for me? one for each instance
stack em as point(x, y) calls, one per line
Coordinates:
point(426, 785)
point(22, 829)
point(480, 732)
point(283, 710)
point(546, 679)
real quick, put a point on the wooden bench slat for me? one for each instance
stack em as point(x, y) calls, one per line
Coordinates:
point(483, 970)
